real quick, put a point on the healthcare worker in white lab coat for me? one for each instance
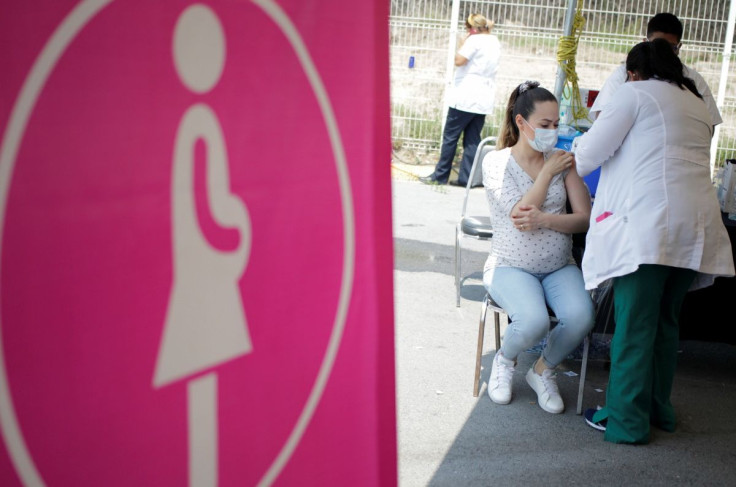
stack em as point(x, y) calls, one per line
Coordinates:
point(661, 26)
point(655, 230)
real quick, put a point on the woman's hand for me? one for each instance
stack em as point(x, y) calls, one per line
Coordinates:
point(526, 218)
point(558, 162)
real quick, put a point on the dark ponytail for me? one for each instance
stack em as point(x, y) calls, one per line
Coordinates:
point(656, 59)
point(522, 102)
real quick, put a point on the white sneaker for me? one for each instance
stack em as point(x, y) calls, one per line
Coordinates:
point(545, 385)
point(499, 385)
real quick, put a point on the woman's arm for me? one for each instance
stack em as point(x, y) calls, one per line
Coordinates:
point(530, 217)
point(460, 60)
point(466, 50)
point(608, 132)
point(579, 198)
point(555, 164)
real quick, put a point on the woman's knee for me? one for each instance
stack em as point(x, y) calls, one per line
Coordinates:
point(580, 318)
point(530, 324)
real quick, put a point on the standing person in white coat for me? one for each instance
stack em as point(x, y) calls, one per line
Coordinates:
point(471, 98)
point(668, 27)
point(655, 230)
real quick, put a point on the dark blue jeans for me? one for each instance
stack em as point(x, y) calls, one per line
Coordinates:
point(469, 126)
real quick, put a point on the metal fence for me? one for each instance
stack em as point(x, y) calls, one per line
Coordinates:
point(422, 47)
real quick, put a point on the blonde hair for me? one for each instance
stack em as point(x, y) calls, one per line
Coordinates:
point(478, 21)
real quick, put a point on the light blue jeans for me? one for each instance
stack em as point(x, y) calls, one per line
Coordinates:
point(525, 296)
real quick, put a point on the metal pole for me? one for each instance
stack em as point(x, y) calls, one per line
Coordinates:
point(567, 29)
point(728, 44)
point(451, 47)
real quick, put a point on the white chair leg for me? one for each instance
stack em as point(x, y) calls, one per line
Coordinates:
point(497, 327)
point(479, 350)
point(457, 265)
point(583, 370)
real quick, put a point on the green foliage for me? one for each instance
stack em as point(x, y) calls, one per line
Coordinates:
point(426, 130)
point(726, 151)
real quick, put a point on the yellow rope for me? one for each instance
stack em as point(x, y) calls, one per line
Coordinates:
point(567, 48)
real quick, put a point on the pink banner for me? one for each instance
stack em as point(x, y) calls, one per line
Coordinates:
point(195, 244)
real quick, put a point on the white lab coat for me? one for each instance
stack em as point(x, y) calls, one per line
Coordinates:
point(618, 78)
point(655, 202)
point(474, 88)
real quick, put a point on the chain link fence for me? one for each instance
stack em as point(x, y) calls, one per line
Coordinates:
point(529, 30)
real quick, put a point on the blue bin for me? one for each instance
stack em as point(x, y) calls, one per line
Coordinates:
point(592, 181)
point(564, 142)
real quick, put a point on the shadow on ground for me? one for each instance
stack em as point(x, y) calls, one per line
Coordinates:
point(519, 443)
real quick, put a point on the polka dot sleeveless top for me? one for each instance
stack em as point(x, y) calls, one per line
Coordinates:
point(537, 251)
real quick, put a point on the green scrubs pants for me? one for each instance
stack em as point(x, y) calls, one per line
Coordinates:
point(644, 347)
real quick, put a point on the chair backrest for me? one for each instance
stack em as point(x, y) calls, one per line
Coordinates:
point(484, 147)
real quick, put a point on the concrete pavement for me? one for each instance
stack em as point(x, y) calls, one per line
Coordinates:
point(447, 437)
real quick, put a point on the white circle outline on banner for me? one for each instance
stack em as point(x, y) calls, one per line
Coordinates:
point(41, 69)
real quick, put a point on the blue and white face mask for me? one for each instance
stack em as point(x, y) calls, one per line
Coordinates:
point(544, 139)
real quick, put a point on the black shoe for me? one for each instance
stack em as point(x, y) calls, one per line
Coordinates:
point(600, 425)
point(429, 180)
point(458, 183)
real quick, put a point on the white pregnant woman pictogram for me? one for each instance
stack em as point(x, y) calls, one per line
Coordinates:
point(205, 322)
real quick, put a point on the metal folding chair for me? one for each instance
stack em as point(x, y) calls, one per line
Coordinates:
point(477, 227)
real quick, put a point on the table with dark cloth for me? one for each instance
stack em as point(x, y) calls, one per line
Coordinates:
point(709, 314)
